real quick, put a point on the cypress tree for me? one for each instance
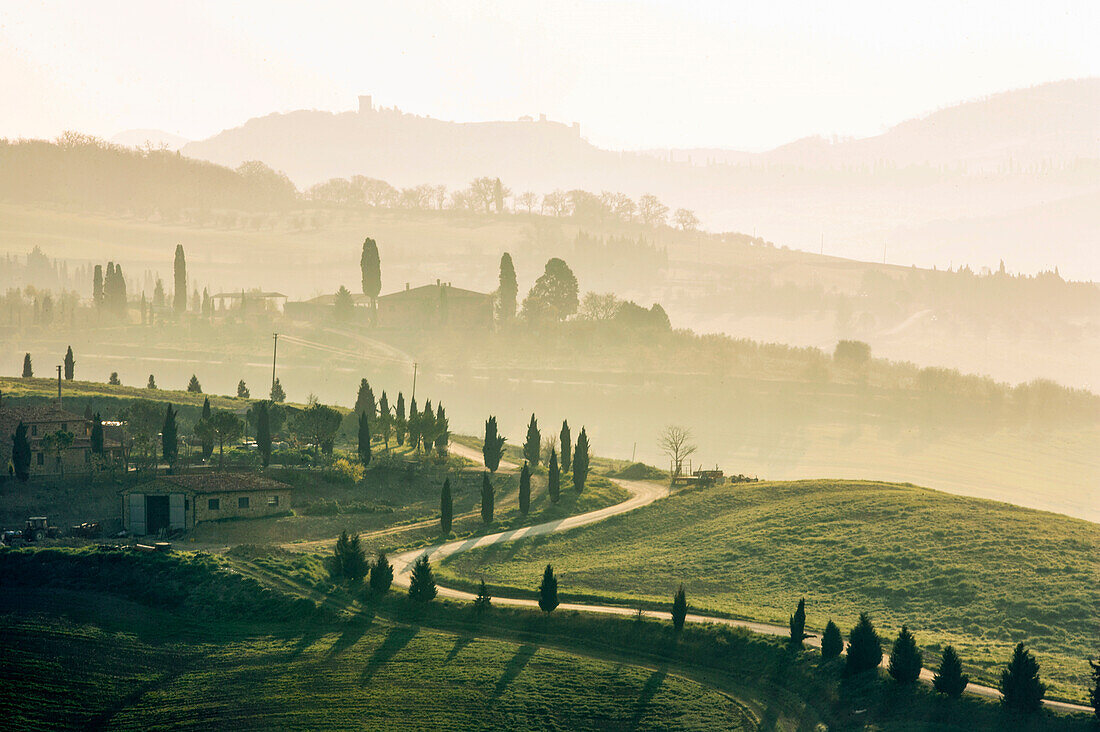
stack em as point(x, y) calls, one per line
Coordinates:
point(152, 383)
point(548, 590)
point(242, 390)
point(381, 575)
point(97, 286)
point(524, 489)
point(97, 434)
point(580, 461)
point(277, 394)
point(364, 400)
point(1020, 684)
point(400, 426)
point(194, 386)
point(508, 288)
point(831, 642)
point(28, 368)
point(427, 427)
point(446, 508)
point(385, 419)
point(263, 432)
point(179, 270)
point(144, 309)
point(533, 443)
point(422, 583)
point(364, 439)
point(864, 647)
point(169, 445)
point(70, 364)
point(487, 499)
point(371, 269)
point(949, 679)
point(483, 600)
point(492, 449)
point(413, 425)
point(679, 609)
point(207, 438)
point(21, 453)
point(442, 431)
point(566, 447)
point(553, 478)
point(798, 624)
point(905, 658)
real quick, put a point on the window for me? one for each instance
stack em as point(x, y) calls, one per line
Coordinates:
point(242, 502)
point(273, 501)
point(214, 504)
point(41, 458)
point(34, 430)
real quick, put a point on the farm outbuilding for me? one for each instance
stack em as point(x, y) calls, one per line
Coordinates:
point(179, 502)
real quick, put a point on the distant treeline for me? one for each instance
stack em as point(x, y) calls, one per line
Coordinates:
point(86, 172)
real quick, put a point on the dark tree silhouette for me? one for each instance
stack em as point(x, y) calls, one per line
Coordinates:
point(169, 442)
point(1094, 692)
point(381, 575)
point(524, 489)
point(554, 295)
point(152, 383)
point(553, 478)
point(487, 499)
point(348, 561)
point(446, 507)
point(97, 435)
point(864, 647)
point(364, 399)
point(113, 379)
point(1020, 684)
point(277, 394)
point(507, 289)
point(422, 583)
point(242, 390)
point(483, 601)
point(364, 439)
point(905, 658)
point(580, 461)
point(533, 443)
point(21, 453)
point(194, 386)
point(548, 590)
point(949, 679)
point(28, 368)
point(566, 441)
point(263, 432)
point(400, 425)
point(832, 644)
point(207, 439)
point(70, 364)
point(179, 270)
point(798, 624)
point(371, 270)
point(679, 609)
point(492, 450)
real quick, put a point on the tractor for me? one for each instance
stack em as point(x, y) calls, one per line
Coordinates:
point(38, 528)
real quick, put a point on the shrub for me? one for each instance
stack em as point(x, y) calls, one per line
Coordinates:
point(381, 575)
point(548, 590)
point(483, 600)
point(679, 609)
point(831, 642)
point(347, 469)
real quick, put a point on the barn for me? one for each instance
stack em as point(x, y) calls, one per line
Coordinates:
point(179, 502)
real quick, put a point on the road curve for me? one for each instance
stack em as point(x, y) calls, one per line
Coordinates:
point(642, 493)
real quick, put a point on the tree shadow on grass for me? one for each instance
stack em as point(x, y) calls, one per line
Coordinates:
point(353, 631)
point(395, 640)
point(460, 643)
point(649, 690)
point(514, 668)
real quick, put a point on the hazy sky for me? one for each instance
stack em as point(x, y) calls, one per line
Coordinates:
point(638, 74)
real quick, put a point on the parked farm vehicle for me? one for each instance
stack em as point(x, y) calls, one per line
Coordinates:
point(86, 530)
point(38, 528)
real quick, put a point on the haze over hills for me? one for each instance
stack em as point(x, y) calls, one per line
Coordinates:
point(156, 138)
point(970, 184)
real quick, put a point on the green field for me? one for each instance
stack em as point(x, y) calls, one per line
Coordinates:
point(84, 660)
point(976, 574)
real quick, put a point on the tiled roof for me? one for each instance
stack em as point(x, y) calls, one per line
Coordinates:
point(211, 481)
point(433, 292)
point(10, 417)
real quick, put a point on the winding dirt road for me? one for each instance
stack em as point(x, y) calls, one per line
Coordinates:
point(642, 494)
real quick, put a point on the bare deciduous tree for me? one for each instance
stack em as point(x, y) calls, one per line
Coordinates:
point(675, 441)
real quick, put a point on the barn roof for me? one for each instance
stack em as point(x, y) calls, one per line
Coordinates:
point(210, 481)
point(432, 292)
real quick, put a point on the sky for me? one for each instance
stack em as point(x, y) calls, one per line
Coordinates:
point(729, 74)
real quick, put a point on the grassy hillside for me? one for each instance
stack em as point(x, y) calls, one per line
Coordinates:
point(78, 660)
point(976, 574)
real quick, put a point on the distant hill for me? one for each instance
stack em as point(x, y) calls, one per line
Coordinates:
point(156, 138)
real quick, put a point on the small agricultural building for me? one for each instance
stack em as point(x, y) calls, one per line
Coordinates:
point(179, 502)
point(43, 424)
point(440, 304)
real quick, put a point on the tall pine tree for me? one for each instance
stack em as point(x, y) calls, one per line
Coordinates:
point(446, 508)
point(524, 489)
point(949, 679)
point(488, 499)
point(169, 444)
point(28, 368)
point(400, 424)
point(442, 431)
point(580, 461)
point(381, 575)
point(1020, 684)
point(566, 442)
point(533, 443)
point(548, 590)
point(492, 449)
point(371, 269)
point(508, 289)
point(179, 269)
point(364, 439)
point(364, 400)
point(553, 478)
point(70, 364)
point(798, 624)
point(905, 658)
point(864, 647)
point(422, 583)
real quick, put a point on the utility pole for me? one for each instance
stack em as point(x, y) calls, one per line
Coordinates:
point(414, 380)
point(274, 352)
point(59, 404)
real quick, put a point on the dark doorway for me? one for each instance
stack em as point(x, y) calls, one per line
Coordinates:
point(156, 513)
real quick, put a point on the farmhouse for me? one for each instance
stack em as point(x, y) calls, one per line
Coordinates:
point(43, 422)
point(179, 502)
point(438, 304)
